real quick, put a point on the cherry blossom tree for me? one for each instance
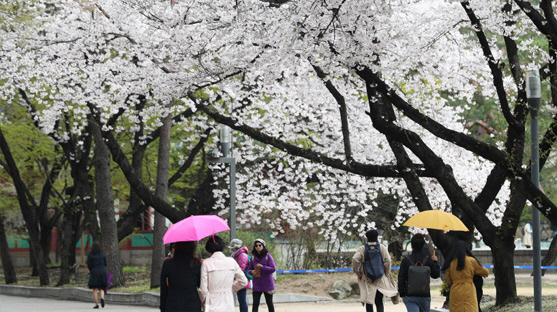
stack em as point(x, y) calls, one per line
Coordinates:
point(337, 101)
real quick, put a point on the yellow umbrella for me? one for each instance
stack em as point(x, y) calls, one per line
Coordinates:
point(436, 219)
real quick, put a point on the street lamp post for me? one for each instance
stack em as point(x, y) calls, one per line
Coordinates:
point(533, 93)
point(225, 142)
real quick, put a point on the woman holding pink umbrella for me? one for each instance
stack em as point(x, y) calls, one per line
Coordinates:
point(180, 278)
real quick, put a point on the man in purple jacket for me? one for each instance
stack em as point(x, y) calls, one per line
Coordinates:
point(240, 254)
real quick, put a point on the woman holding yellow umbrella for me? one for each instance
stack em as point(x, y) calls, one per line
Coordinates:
point(459, 271)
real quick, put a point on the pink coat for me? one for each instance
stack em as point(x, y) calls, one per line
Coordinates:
point(241, 256)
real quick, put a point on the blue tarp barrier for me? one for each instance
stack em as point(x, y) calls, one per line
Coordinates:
point(393, 268)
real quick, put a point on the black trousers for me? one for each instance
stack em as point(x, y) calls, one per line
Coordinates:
point(257, 299)
point(378, 303)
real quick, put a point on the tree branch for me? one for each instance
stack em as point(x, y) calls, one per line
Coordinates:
point(342, 109)
point(354, 167)
point(478, 147)
point(493, 65)
point(148, 197)
point(180, 172)
point(539, 21)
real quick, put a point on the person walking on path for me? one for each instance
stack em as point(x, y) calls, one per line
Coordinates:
point(180, 278)
point(240, 254)
point(372, 292)
point(461, 267)
point(220, 277)
point(262, 267)
point(527, 235)
point(416, 303)
point(96, 262)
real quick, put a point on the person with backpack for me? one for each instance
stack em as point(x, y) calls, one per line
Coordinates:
point(262, 267)
point(414, 276)
point(460, 269)
point(240, 254)
point(372, 265)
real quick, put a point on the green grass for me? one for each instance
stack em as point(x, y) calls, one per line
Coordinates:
point(525, 304)
point(135, 289)
point(134, 269)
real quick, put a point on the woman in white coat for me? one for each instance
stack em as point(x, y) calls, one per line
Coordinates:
point(221, 276)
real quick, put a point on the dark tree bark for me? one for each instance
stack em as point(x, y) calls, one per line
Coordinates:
point(72, 216)
point(551, 254)
point(27, 211)
point(105, 207)
point(129, 219)
point(47, 222)
point(137, 185)
point(163, 168)
point(7, 264)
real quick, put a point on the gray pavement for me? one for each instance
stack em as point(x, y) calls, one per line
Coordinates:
point(26, 304)
point(23, 299)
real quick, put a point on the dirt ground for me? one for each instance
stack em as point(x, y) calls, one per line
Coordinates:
point(319, 284)
point(315, 284)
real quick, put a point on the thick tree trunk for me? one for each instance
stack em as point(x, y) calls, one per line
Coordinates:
point(88, 203)
point(46, 240)
point(7, 264)
point(129, 219)
point(503, 263)
point(163, 167)
point(26, 210)
point(105, 206)
point(47, 221)
point(67, 238)
point(551, 254)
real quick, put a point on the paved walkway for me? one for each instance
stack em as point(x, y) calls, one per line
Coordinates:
point(12, 299)
point(21, 304)
point(340, 307)
point(16, 303)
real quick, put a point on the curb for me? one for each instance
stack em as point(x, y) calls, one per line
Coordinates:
point(144, 299)
point(80, 294)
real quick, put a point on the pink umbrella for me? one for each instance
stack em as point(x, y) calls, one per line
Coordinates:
point(194, 228)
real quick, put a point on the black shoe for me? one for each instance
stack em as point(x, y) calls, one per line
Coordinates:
point(102, 302)
point(96, 307)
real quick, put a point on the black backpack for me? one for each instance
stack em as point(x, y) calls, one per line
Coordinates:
point(418, 278)
point(373, 262)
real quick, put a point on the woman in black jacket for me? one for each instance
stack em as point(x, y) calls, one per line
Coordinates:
point(96, 262)
point(180, 277)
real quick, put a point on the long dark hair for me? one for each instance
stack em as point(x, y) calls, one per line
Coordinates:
point(459, 252)
point(186, 249)
point(96, 248)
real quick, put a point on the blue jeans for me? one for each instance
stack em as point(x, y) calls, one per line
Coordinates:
point(417, 304)
point(243, 299)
